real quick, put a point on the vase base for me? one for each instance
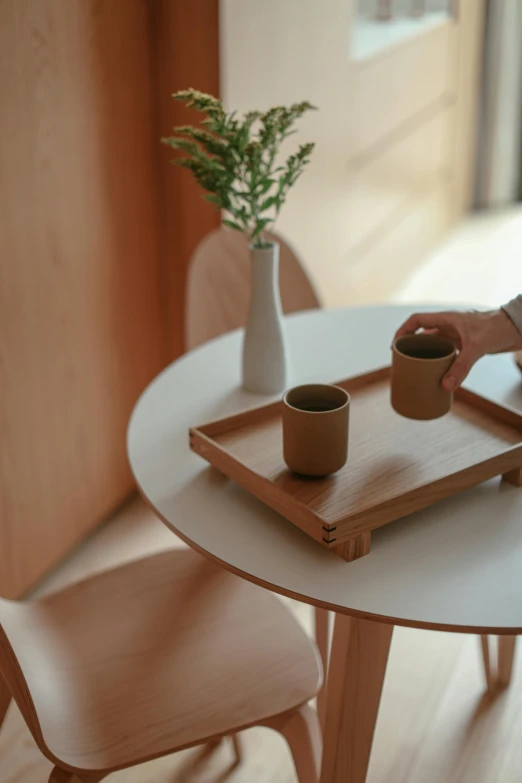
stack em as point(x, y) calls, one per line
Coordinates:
point(253, 388)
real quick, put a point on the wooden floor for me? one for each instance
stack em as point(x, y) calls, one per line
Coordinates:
point(479, 263)
point(435, 725)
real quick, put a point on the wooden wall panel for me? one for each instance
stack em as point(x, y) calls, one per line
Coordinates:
point(395, 178)
point(185, 47)
point(373, 270)
point(391, 89)
point(80, 331)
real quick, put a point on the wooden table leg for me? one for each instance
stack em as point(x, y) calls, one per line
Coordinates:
point(506, 653)
point(501, 676)
point(358, 661)
point(486, 657)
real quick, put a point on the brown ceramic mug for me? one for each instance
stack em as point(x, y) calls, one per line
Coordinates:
point(315, 429)
point(420, 362)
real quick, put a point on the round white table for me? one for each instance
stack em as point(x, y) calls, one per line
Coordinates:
point(456, 566)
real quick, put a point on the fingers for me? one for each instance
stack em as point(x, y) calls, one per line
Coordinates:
point(421, 321)
point(461, 330)
point(459, 369)
point(446, 324)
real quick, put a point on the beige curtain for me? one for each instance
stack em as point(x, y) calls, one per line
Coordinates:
point(499, 161)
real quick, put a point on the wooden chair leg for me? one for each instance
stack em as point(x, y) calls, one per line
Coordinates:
point(61, 776)
point(302, 732)
point(5, 700)
point(506, 653)
point(238, 749)
point(356, 671)
point(322, 635)
point(490, 681)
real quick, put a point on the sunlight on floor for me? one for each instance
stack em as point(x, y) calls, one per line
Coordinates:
point(480, 262)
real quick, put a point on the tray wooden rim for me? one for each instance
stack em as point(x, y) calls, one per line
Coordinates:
point(202, 442)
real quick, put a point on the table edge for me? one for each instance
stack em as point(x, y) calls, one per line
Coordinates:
point(357, 613)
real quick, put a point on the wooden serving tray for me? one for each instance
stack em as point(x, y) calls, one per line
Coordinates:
point(395, 465)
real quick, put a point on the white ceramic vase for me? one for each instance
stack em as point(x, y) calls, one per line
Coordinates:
point(265, 351)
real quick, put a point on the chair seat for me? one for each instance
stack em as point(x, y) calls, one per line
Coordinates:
point(157, 655)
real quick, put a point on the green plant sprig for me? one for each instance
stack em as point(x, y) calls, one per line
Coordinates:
point(234, 160)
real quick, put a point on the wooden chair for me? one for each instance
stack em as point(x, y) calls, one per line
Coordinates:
point(218, 288)
point(155, 656)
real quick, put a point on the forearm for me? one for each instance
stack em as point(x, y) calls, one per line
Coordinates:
point(514, 310)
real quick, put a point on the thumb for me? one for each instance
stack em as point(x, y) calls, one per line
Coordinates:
point(459, 370)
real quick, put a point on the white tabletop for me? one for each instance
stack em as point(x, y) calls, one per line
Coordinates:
point(456, 565)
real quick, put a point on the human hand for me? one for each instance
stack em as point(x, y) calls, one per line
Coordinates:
point(474, 334)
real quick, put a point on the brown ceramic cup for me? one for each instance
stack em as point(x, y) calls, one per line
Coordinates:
point(315, 429)
point(420, 362)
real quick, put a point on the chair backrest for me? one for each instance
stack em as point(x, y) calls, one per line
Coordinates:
point(219, 285)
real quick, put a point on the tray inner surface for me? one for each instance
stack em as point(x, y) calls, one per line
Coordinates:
point(388, 454)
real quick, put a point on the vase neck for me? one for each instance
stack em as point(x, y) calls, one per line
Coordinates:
point(264, 263)
point(265, 301)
